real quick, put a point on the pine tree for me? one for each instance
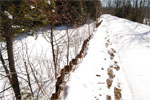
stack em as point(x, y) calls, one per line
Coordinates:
point(17, 17)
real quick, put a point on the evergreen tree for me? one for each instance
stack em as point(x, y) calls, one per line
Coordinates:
point(76, 11)
point(17, 17)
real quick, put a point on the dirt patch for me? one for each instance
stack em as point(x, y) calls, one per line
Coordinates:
point(108, 97)
point(117, 93)
point(101, 83)
point(115, 62)
point(98, 75)
point(117, 68)
point(109, 83)
point(111, 55)
point(113, 50)
point(110, 73)
point(114, 66)
point(106, 45)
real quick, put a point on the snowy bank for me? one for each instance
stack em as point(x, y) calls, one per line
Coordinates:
point(131, 43)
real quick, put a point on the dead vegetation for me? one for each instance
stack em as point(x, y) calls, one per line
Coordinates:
point(98, 24)
point(60, 84)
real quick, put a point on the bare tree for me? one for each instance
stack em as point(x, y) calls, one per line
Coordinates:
point(13, 74)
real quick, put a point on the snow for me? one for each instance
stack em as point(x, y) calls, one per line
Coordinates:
point(146, 21)
point(49, 2)
point(116, 42)
point(39, 51)
point(36, 52)
point(15, 26)
point(131, 41)
point(32, 7)
point(8, 14)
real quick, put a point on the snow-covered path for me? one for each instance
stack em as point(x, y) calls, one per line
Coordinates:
point(88, 82)
point(132, 42)
point(83, 84)
point(118, 53)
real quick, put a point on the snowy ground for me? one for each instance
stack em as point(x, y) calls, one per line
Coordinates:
point(116, 66)
point(119, 53)
point(34, 52)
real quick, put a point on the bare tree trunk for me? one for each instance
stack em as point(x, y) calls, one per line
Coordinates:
point(68, 43)
point(117, 6)
point(28, 77)
point(148, 9)
point(136, 10)
point(33, 72)
point(124, 4)
point(142, 3)
point(13, 74)
point(5, 67)
point(14, 77)
point(53, 51)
